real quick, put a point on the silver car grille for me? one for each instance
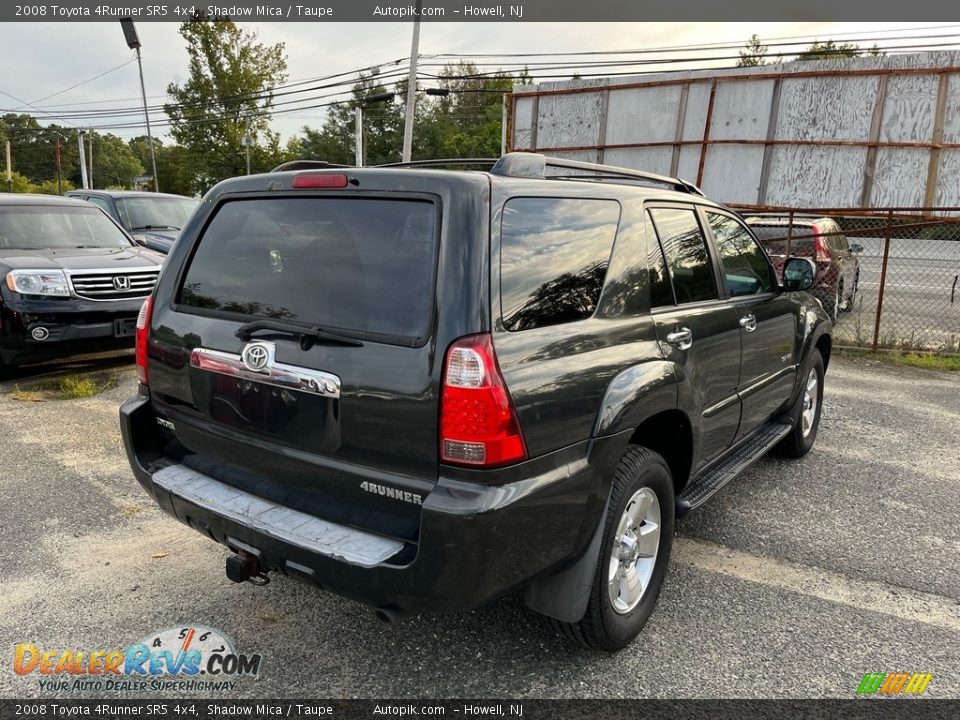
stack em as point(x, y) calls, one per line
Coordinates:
point(114, 285)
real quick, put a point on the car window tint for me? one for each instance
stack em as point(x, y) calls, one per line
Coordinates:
point(661, 293)
point(363, 265)
point(745, 268)
point(553, 259)
point(686, 250)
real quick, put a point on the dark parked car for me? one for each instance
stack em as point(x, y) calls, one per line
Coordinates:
point(823, 241)
point(73, 280)
point(153, 219)
point(425, 388)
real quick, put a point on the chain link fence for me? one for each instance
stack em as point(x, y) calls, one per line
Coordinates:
point(890, 277)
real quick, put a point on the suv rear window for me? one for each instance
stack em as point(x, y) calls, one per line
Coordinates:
point(774, 239)
point(361, 265)
point(554, 254)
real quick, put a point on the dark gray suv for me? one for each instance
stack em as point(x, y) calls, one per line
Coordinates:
point(424, 388)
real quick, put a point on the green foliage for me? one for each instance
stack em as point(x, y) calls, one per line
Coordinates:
point(114, 163)
point(226, 98)
point(464, 123)
point(753, 53)
point(830, 50)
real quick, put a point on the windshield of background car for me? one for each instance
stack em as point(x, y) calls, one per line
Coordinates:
point(43, 227)
point(774, 239)
point(160, 213)
point(363, 265)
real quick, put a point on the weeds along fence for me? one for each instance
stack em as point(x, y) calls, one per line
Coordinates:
point(907, 294)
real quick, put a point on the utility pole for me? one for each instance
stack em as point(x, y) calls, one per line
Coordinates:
point(90, 174)
point(56, 157)
point(9, 169)
point(412, 87)
point(246, 144)
point(83, 161)
point(358, 136)
point(133, 42)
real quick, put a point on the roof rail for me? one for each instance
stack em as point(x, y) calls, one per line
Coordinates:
point(307, 165)
point(534, 165)
point(445, 162)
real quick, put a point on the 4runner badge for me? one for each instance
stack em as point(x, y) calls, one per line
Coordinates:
point(393, 493)
point(258, 355)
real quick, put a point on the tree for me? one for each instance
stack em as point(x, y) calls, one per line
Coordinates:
point(829, 50)
point(753, 54)
point(114, 163)
point(227, 97)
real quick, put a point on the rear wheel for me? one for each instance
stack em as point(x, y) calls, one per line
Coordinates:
point(807, 410)
point(635, 552)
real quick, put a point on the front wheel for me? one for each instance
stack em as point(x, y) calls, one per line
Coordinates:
point(637, 538)
point(807, 410)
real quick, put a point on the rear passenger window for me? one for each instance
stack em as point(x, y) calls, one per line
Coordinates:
point(661, 294)
point(685, 248)
point(553, 259)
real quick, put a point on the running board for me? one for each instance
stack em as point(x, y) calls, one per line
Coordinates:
point(709, 481)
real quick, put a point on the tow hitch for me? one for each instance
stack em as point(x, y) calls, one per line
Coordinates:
point(245, 567)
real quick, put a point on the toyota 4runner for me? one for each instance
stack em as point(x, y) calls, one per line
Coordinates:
point(424, 388)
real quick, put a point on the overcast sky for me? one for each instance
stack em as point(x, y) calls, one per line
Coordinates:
point(42, 59)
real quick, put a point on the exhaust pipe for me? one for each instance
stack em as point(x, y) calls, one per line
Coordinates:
point(391, 615)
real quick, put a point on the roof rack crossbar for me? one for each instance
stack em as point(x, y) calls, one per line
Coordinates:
point(483, 162)
point(534, 165)
point(307, 165)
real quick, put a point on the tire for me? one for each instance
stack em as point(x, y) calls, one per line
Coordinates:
point(805, 425)
point(611, 623)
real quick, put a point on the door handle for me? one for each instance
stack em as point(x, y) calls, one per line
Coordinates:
point(682, 338)
point(749, 322)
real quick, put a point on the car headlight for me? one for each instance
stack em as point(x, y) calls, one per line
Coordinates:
point(38, 282)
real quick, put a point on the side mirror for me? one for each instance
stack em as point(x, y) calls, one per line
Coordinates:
point(856, 247)
point(799, 274)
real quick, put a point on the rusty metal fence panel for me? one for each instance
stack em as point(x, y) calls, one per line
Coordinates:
point(906, 291)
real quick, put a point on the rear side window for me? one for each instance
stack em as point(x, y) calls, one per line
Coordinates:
point(363, 265)
point(553, 259)
point(685, 248)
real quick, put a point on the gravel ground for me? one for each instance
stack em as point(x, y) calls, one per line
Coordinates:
point(794, 581)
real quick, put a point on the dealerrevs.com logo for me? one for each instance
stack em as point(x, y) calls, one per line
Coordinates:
point(179, 659)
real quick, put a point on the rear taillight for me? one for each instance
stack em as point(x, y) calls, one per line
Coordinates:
point(820, 248)
point(478, 425)
point(143, 328)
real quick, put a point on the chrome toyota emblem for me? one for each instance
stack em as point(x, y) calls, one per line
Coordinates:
point(257, 356)
point(121, 282)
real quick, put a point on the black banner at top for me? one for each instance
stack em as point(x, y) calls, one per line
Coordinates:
point(479, 11)
point(490, 709)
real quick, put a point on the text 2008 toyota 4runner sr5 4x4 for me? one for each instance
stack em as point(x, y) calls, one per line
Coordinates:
point(425, 388)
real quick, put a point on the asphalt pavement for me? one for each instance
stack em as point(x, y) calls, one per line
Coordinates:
point(794, 581)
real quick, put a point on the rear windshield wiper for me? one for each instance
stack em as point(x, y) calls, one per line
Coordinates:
point(155, 227)
point(307, 333)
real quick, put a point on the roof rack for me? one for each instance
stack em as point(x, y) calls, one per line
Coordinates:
point(445, 162)
point(307, 165)
point(534, 165)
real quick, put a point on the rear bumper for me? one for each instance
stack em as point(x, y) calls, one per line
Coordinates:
point(477, 541)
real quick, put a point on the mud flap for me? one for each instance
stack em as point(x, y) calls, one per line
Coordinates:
point(566, 594)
